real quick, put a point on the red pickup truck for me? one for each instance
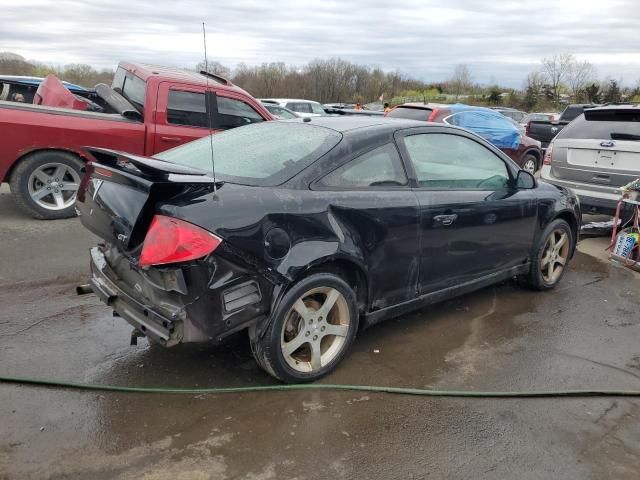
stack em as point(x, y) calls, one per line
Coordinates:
point(146, 110)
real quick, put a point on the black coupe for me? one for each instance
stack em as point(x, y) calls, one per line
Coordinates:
point(311, 229)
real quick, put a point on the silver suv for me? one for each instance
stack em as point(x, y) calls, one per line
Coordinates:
point(595, 155)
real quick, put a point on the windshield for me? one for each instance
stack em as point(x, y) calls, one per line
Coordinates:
point(411, 113)
point(265, 154)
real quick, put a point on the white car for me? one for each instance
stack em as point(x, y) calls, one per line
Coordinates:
point(304, 108)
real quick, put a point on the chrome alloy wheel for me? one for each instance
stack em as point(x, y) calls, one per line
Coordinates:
point(315, 330)
point(54, 186)
point(555, 256)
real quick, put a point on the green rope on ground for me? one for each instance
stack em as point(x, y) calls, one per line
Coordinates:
point(321, 386)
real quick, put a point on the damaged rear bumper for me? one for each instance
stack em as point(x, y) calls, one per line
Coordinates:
point(158, 327)
point(204, 306)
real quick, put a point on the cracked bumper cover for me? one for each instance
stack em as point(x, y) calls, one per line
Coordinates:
point(208, 308)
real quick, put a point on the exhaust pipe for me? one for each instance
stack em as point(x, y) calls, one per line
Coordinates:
point(84, 289)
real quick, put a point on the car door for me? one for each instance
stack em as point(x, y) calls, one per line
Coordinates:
point(375, 207)
point(474, 222)
point(181, 115)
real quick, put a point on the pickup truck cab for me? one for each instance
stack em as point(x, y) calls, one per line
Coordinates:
point(544, 131)
point(147, 109)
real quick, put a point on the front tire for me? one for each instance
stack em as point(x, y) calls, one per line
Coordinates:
point(311, 330)
point(551, 256)
point(44, 184)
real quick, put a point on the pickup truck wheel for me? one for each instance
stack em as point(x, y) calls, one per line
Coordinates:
point(530, 163)
point(45, 184)
point(311, 330)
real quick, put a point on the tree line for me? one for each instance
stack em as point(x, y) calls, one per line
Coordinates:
point(78, 73)
point(559, 79)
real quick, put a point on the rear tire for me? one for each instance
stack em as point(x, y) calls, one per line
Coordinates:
point(551, 256)
point(311, 330)
point(44, 184)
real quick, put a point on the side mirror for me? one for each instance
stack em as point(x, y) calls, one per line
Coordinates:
point(525, 180)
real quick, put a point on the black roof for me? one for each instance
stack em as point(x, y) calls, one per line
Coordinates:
point(352, 122)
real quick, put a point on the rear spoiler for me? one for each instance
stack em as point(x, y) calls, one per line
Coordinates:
point(149, 166)
point(216, 77)
point(609, 114)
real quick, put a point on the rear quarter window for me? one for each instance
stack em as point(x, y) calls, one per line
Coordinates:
point(410, 113)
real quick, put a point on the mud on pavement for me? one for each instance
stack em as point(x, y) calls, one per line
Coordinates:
point(584, 334)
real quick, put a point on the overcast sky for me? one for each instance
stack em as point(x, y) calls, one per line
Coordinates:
point(500, 41)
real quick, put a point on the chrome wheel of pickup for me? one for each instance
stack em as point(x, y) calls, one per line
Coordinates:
point(316, 329)
point(53, 186)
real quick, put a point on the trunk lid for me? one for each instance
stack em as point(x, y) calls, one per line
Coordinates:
point(117, 197)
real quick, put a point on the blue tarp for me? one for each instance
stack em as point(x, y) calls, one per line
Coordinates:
point(489, 124)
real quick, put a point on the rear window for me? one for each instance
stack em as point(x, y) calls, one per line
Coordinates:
point(135, 90)
point(410, 113)
point(264, 154)
point(571, 112)
point(603, 124)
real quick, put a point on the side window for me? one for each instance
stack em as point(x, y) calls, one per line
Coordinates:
point(187, 108)
point(449, 161)
point(317, 108)
point(299, 107)
point(381, 167)
point(235, 113)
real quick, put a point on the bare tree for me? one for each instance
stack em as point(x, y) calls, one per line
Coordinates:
point(461, 81)
point(579, 75)
point(556, 69)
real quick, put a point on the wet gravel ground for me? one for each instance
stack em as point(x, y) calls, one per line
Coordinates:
point(584, 334)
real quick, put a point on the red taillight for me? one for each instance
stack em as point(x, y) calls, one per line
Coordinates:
point(432, 115)
point(527, 129)
point(170, 240)
point(548, 155)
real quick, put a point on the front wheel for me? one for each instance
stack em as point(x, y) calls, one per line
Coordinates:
point(551, 256)
point(311, 330)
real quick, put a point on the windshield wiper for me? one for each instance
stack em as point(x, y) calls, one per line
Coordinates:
point(624, 136)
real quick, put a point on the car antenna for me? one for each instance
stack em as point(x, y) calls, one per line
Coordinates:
point(208, 103)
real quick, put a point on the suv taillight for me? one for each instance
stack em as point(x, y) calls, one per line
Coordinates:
point(527, 129)
point(170, 240)
point(548, 155)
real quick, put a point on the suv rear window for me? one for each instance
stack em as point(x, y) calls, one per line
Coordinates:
point(263, 154)
point(410, 113)
point(603, 124)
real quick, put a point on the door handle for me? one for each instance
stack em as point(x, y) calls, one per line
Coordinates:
point(171, 139)
point(445, 220)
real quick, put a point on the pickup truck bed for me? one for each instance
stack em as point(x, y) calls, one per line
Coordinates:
point(545, 131)
point(42, 147)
